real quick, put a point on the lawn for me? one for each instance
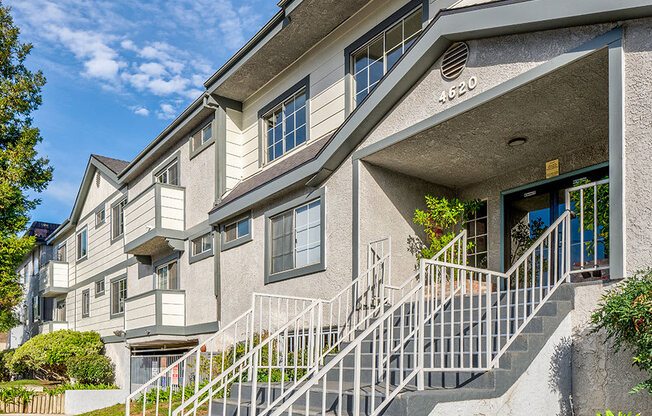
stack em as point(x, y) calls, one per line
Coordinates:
point(136, 409)
point(25, 382)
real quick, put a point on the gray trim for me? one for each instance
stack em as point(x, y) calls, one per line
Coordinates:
point(220, 153)
point(189, 330)
point(240, 240)
point(111, 282)
point(226, 103)
point(118, 237)
point(174, 257)
point(192, 258)
point(194, 152)
point(85, 257)
point(86, 292)
point(167, 162)
point(289, 274)
point(617, 219)
point(151, 234)
point(103, 292)
point(122, 191)
point(201, 256)
point(100, 208)
point(158, 305)
point(199, 229)
point(303, 84)
point(217, 288)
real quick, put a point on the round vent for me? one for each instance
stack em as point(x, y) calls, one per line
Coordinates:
point(454, 60)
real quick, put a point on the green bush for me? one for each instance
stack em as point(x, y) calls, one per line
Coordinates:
point(46, 355)
point(15, 395)
point(610, 413)
point(625, 313)
point(91, 369)
point(61, 388)
point(5, 365)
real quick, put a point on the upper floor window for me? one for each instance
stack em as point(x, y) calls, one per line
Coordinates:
point(99, 287)
point(202, 136)
point(82, 244)
point(202, 244)
point(61, 252)
point(296, 237)
point(118, 219)
point(285, 126)
point(100, 217)
point(371, 61)
point(237, 229)
point(86, 303)
point(118, 295)
point(36, 315)
point(169, 175)
point(167, 276)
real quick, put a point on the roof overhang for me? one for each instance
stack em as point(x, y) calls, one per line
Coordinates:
point(493, 19)
point(296, 28)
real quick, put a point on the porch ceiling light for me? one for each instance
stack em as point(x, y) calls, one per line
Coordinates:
point(517, 141)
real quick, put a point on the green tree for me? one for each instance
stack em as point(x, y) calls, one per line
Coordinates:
point(22, 171)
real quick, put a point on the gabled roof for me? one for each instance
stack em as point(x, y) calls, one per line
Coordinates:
point(41, 230)
point(109, 167)
point(116, 165)
point(484, 20)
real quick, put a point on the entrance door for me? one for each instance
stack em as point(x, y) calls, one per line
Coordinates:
point(529, 211)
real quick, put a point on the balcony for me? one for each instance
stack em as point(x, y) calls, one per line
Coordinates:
point(53, 279)
point(155, 219)
point(156, 312)
point(52, 326)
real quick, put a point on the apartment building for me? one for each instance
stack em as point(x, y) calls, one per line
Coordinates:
point(324, 133)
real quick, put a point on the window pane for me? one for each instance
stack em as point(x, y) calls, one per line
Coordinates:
point(300, 101)
point(376, 72)
point(289, 142)
point(196, 246)
point(360, 60)
point(162, 273)
point(376, 50)
point(412, 24)
point(207, 134)
point(173, 282)
point(394, 37)
point(115, 214)
point(300, 135)
point(230, 232)
point(208, 242)
point(196, 140)
point(300, 116)
point(282, 243)
point(361, 81)
point(173, 175)
point(394, 55)
point(243, 228)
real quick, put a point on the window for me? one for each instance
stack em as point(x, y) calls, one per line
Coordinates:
point(371, 62)
point(60, 312)
point(99, 217)
point(86, 303)
point(61, 252)
point(169, 175)
point(82, 244)
point(236, 230)
point(202, 244)
point(99, 287)
point(476, 231)
point(202, 136)
point(35, 309)
point(296, 238)
point(285, 126)
point(118, 295)
point(166, 276)
point(118, 219)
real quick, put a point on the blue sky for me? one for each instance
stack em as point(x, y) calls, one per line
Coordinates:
point(118, 71)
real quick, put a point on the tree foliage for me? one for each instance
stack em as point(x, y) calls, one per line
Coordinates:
point(47, 356)
point(625, 313)
point(22, 170)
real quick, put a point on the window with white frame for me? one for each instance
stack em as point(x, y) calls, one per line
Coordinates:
point(296, 237)
point(202, 136)
point(82, 244)
point(202, 244)
point(371, 62)
point(35, 309)
point(61, 252)
point(86, 303)
point(60, 312)
point(118, 295)
point(99, 287)
point(100, 217)
point(118, 219)
point(285, 126)
point(236, 229)
point(167, 276)
point(169, 175)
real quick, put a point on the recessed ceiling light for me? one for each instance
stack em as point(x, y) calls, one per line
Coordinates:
point(517, 141)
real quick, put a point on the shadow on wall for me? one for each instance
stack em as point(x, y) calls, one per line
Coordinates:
point(560, 379)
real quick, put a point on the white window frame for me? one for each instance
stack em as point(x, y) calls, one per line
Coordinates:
point(116, 290)
point(120, 218)
point(201, 135)
point(103, 287)
point(81, 232)
point(166, 265)
point(100, 217)
point(163, 176)
point(86, 303)
point(63, 245)
point(204, 242)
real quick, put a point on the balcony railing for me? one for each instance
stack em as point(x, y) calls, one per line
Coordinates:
point(53, 278)
point(153, 217)
point(156, 311)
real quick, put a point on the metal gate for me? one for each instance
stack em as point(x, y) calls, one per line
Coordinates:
point(150, 364)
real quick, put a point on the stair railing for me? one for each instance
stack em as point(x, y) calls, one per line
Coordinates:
point(481, 312)
point(308, 337)
point(217, 354)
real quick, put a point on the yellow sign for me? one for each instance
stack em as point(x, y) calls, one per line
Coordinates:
point(552, 168)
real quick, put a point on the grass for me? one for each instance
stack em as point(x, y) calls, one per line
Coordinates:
point(136, 409)
point(25, 382)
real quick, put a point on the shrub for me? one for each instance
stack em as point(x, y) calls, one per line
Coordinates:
point(5, 365)
point(625, 313)
point(46, 355)
point(61, 388)
point(610, 413)
point(91, 369)
point(16, 395)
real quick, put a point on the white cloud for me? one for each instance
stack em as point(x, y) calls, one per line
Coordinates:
point(166, 112)
point(61, 190)
point(139, 110)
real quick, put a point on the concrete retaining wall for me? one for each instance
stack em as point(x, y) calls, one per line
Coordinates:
point(82, 401)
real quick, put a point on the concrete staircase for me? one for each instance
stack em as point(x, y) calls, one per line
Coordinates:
point(440, 386)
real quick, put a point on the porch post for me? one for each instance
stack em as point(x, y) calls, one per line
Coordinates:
point(617, 249)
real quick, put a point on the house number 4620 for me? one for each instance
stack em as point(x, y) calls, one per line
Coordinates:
point(458, 90)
